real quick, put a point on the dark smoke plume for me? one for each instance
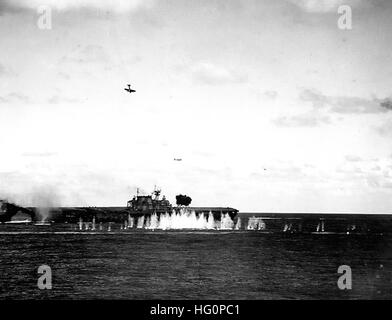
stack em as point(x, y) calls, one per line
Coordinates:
point(183, 200)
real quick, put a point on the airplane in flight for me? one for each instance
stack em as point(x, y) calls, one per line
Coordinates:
point(129, 89)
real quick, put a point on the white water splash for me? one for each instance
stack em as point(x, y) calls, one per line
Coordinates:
point(180, 220)
point(226, 222)
point(256, 223)
point(140, 222)
point(183, 219)
point(189, 219)
point(238, 224)
point(130, 222)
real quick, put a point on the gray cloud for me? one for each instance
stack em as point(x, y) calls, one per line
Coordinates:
point(345, 104)
point(387, 185)
point(353, 158)
point(211, 74)
point(86, 54)
point(15, 98)
point(10, 7)
point(3, 71)
point(203, 154)
point(377, 180)
point(56, 99)
point(385, 129)
point(374, 177)
point(116, 6)
point(287, 173)
point(271, 94)
point(386, 103)
point(303, 120)
point(315, 97)
point(64, 75)
point(325, 6)
point(6, 71)
point(39, 154)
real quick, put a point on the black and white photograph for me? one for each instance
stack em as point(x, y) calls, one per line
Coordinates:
point(195, 150)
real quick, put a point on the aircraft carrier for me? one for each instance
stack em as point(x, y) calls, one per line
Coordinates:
point(139, 206)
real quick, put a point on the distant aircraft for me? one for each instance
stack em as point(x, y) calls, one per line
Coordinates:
point(177, 159)
point(129, 89)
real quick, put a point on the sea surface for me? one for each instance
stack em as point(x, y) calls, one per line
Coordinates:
point(200, 264)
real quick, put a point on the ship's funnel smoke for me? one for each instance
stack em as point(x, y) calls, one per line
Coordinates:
point(44, 199)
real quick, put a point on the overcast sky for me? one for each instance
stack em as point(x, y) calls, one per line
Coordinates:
point(270, 105)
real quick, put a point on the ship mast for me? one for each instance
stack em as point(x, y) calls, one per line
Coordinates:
point(156, 193)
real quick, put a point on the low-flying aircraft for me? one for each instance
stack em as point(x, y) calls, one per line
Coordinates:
point(129, 89)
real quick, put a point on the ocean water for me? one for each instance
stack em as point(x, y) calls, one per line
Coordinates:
point(270, 261)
